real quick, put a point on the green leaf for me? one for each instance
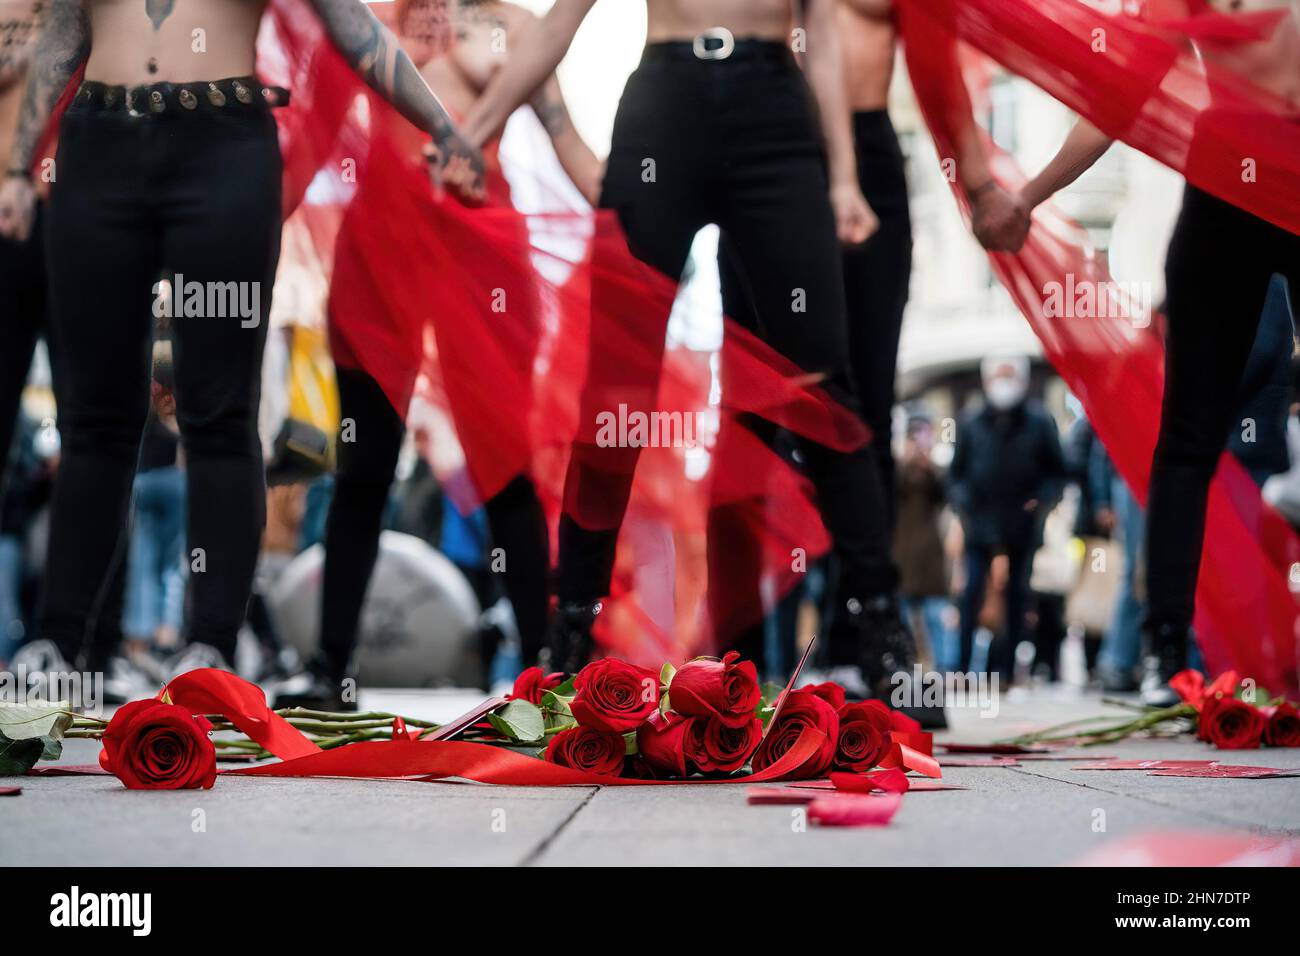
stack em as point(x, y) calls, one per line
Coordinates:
point(556, 712)
point(666, 674)
point(51, 748)
point(519, 720)
point(19, 756)
point(41, 719)
point(565, 689)
point(665, 705)
point(771, 691)
point(629, 744)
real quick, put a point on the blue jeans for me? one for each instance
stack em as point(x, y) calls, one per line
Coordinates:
point(1122, 646)
point(944, 642)
point(11, 590)
point(1001, 656)
point(155, 579)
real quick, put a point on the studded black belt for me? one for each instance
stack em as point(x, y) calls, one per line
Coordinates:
point(239, 92)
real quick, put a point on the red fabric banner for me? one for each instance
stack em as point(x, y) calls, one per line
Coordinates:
point(1151, 90)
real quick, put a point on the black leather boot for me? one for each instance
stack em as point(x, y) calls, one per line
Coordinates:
point(570, 644)
point(888, 656)
point(1167, 655)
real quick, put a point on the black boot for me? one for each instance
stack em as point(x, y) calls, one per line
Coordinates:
point(1167, 655)
point(316, 689)
point(570, 644)
point(888, 655)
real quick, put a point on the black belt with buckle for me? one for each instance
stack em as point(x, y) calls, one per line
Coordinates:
point(721, 45)
point(240, 92)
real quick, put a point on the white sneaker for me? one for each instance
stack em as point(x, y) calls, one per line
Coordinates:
point(851, 679)
point(38, 661)
point(197, 656)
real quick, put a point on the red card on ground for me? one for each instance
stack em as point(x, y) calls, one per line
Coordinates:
point(1065, 757)
point(1226, 770)
point(953, 748)
point(779, 796)
point(466, 720)
point(10, 791)
point(1143, 764)
point(991, 761)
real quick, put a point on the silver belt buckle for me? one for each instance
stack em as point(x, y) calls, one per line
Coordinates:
point(704, 52)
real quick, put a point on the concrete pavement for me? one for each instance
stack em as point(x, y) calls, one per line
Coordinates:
point(1040, 813)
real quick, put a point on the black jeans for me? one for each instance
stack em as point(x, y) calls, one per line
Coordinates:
point(877, 280)
point(356, 517)
point(185, 190)
point(22, 290)
point(733, 142)
point(1220, 263)
point(877, 277)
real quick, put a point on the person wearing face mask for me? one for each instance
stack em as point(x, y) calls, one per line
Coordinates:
point(1007, 470)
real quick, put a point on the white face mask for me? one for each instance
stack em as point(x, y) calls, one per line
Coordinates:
point(1004, 393)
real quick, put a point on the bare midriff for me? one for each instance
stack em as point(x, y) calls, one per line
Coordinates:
point(134, 42)
point(686, 19)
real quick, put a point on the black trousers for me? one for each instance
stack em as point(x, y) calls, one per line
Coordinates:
point(22, 291)
point(733, 142)
point(181, 191)
point(877, 277)
point(877, 280)
point(1220, 263)
point(356, 517)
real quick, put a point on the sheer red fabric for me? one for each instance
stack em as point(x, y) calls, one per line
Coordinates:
point(541, 336)
point(1135, 76)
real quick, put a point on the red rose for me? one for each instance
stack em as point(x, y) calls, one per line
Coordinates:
point(801, 711)
point(1283, 728)
point(1231, 724)
point(585, 749)
point(726, 690)
point(614, 696)
point(714, 746)
point(864, 738)
point(830, 692)
point(661, 742)
point(150, 745)
point(1190, 686)
point(532, 683)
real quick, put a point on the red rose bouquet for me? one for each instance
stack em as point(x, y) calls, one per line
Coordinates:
point(710, 718)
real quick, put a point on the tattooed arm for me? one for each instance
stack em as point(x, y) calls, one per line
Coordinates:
point(63, 46)
point(576, 157)
point(378, 58)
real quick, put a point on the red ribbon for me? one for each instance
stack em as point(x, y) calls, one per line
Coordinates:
point(211, 691)
point(484, 763)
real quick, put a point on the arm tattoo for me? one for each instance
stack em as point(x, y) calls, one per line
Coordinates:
point(158, 11)
point(372, 50)
point(551, 111)
point(64, 44)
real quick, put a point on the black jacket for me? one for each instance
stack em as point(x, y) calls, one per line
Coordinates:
point(1003, 460)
